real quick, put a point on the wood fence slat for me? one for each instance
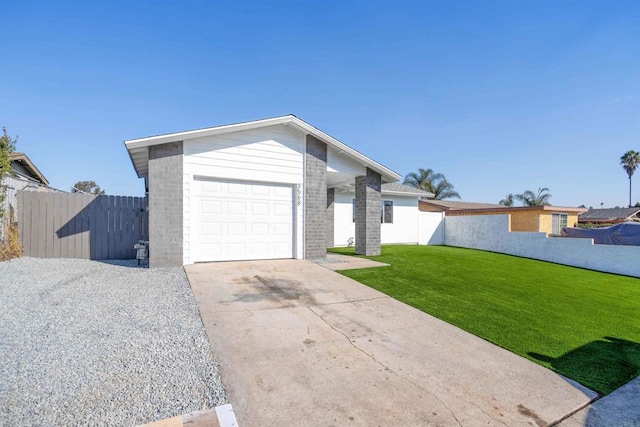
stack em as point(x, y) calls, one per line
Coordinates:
point(20, 217)
point(77, 208)
point(129, 232)
point(90, 210)
point(57, 224)
point(27, 229)
point(42, 227)
point(49, 225)
point(112, 226)
point(104, 227)
point(119, 225)
point(86, 233)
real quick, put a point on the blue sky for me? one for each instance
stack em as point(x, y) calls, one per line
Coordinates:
point(500, 96)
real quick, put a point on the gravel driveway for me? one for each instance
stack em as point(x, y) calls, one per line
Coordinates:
point(86, 342)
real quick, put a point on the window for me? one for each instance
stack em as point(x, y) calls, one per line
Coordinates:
point(386, 211)
point(558, 222)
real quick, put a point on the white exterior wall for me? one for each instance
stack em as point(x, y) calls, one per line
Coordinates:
point(491, 233)
point(273, 154)
point(431, 228)
point(403, 230)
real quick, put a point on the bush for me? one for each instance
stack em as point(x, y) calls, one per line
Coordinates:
point(10, 246)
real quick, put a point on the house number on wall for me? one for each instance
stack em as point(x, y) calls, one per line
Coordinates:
point(298, 195)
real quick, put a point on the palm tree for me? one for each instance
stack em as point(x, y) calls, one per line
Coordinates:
point(433, 182)
point(507, 201)
point(529, 198)
point(629, 162)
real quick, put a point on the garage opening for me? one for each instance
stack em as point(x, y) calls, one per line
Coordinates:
point(242, 220)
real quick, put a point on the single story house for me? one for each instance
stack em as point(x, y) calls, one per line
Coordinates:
point(545, 219)
point(265, 189)
point(610, 216)
point(24, 176)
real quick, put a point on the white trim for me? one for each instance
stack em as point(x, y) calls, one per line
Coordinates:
point(136, 144)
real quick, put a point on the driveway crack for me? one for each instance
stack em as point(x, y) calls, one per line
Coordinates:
point(386, 368)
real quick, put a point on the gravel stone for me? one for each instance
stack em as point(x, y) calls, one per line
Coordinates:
point(101, 343)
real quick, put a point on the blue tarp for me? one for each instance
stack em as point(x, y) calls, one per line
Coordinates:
point(626, 233)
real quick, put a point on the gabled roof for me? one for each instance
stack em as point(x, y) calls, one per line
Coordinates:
point(27, 164)
point(397, 188)
point(610, 214)
point(139, 148)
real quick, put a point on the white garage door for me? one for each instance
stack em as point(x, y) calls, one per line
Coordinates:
point(242, 221)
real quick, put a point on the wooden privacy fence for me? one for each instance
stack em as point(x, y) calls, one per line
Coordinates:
point(62, 225)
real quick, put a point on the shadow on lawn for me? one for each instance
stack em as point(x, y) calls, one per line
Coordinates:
point(602, 365)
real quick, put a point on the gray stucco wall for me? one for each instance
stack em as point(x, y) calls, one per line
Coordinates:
point(315, 199)
point(165, 204)
point(368, 213)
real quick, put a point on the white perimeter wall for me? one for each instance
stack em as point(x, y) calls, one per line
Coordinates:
point(272, 154)
point(403, 230)
point(491, 233)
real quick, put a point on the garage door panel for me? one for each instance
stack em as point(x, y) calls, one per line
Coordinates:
point(260, 208)
point(258, 248)
point(211, 229)
point(236, 248)
point(237, 188)
point(282, 209)
point(210, 188)
point(212, 249)
point(211, 207)
point(237, 229)
point(281, 229)
point(260, 229)
point(237, 208)
point(243, 221)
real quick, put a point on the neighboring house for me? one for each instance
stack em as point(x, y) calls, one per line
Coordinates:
point(546, 219)
point(604, 217)
point(25, 176)
point(254, 190)
point(399, 214)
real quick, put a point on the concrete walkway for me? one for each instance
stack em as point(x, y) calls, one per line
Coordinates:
point(301, 345)
point(337, 262)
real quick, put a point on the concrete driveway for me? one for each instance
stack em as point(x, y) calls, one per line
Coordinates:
point(299, 344)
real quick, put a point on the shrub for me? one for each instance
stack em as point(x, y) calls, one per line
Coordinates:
point(10, 246)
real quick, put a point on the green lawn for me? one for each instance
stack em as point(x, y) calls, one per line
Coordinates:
point(580, 323)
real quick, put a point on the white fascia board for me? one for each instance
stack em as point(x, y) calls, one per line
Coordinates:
point(404, 193)
point(198, 133)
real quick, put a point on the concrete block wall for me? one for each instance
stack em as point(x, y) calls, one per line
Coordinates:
point(315, 198)
point(165, 204)
point(368, 210)
point(331, 197)
point(491, 233)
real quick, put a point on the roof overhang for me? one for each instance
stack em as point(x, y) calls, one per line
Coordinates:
point(138, 149)
point(29, 166)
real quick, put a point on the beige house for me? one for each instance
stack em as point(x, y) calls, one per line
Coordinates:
point(546, 219)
